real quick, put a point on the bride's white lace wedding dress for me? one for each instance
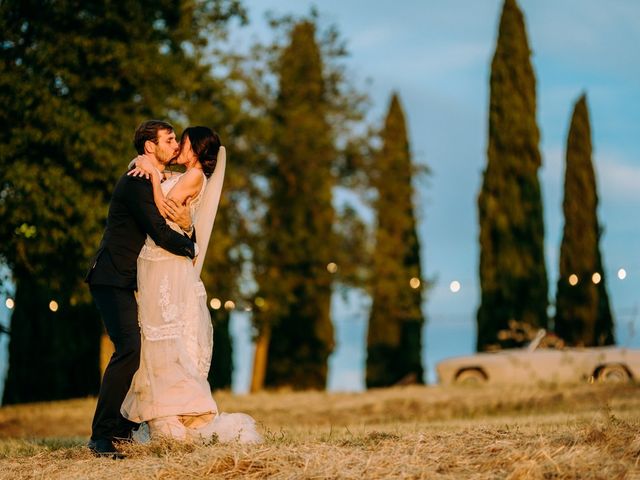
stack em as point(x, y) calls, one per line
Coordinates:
point(170, 392)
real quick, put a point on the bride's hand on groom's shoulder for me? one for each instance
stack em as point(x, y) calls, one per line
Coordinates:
point(143, 167)
point(138, 172)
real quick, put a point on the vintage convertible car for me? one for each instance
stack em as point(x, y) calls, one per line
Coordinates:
point(533, 364)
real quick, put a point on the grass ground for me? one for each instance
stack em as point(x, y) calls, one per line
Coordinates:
point(586, 431)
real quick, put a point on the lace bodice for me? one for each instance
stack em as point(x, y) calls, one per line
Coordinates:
point(150, 250)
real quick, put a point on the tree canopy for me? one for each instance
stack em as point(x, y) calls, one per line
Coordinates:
point(394, 345)
point(513, 275)
point(583, 315)
point(75, 80)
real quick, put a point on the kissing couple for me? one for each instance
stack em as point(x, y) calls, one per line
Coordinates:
point(155, 384)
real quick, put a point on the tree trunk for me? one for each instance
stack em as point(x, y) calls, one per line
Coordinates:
point(260, 360)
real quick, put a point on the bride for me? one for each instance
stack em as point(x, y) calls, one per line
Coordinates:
point(169, 393)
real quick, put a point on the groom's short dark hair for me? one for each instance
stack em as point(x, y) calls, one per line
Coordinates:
point(148, 130)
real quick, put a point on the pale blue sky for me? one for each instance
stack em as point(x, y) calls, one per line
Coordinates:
point(437, 55)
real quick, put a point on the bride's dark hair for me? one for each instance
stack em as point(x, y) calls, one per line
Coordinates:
point(205, 143)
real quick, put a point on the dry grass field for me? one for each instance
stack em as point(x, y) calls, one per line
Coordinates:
point(586, 431)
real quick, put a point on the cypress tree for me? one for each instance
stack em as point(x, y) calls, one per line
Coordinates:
point(605, 329)
point(583, 315)
point(221, 371)
point(513, 277)
point(294, 293)
point(396, 319)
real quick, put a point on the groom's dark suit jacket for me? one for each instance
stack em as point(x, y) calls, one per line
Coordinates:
point(132, 216)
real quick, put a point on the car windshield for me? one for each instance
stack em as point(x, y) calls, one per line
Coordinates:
point(533, 344)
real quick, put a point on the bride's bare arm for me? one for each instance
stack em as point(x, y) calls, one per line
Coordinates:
point(158, 196)
point(142, 166)
point(186, 187)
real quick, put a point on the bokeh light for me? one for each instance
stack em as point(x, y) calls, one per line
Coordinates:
point(215, 303)
point(455, 286)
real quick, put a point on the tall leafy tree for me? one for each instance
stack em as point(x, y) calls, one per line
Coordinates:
point(75, 79)
point(583, 315)
point(218, 103)
point(299, 242)
point(396, 319)
point(273, 99)
point(513, 277)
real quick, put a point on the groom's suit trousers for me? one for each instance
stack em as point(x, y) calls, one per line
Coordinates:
point(112, 278)
point(119, 312)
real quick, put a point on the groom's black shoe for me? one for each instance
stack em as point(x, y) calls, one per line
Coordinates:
point(103, 447)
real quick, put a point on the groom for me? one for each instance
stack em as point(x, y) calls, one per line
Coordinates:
point(112, 277)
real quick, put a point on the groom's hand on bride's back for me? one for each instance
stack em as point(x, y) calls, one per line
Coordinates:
point(179, 214)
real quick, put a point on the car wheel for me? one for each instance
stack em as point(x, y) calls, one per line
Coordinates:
point(613, 374)
point(471, 376)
